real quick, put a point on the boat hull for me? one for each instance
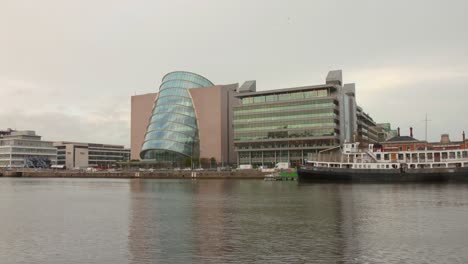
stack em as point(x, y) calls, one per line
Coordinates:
point(318, 174)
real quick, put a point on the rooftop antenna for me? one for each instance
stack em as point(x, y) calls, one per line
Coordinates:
point(426, 120)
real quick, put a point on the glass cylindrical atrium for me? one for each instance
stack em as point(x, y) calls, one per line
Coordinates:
point(172, 133)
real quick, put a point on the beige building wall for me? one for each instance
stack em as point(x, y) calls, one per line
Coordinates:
point(227, 116)
point(213, 106)
point(81, 157)
point(70, 152)
point(207, 104)
point(141, 108)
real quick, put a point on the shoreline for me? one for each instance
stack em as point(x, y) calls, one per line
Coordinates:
point(244, 174)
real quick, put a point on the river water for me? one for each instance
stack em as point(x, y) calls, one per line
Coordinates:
point(230, 221)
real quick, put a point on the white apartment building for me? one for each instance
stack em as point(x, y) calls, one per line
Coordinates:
point(19, 149)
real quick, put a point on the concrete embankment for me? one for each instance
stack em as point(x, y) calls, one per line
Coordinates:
point(242, 174)
point(10, 174)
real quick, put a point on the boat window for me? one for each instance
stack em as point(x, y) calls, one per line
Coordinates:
point(401, 156)
point(444, 155)
point(422, 156)
point(412, 166)
point(386, 157)
point(378, 156)
point(408, 149)
point(429, 156)
point(387, 166)
point(465, 164)
point(458, 155)
point(452, 155)
point(465, 154)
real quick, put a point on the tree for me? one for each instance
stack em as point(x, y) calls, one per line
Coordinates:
point(204, 162)
point(187, 162)
point(212, 162)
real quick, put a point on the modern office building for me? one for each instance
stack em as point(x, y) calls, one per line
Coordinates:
point(19, 149)
point(189, 118)
point(83, 155)
point(367, 130)
point(285, 125)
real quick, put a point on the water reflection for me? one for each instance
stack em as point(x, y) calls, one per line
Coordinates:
point(256, 221)
point(211, 221)
point(234, 221)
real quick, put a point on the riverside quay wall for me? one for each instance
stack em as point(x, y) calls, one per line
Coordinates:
point(239, 174)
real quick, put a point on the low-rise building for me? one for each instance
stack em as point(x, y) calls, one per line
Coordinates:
point(409, 143)
point(83, 155)
point(19, 149)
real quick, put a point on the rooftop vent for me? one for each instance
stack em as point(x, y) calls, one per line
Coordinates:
point(248, 87)
point(335, 77)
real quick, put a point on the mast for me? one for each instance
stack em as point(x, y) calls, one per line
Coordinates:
point(426, 120)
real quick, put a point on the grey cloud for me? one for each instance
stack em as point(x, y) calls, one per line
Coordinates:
point(87, 57)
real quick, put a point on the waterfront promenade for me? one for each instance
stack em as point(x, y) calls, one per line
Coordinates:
point(130, 174)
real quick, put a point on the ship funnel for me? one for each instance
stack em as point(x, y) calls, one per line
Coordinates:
point(411, 131)
point(398, 131)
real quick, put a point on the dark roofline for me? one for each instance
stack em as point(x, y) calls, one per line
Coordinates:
point(284, 90)
point(403, 139)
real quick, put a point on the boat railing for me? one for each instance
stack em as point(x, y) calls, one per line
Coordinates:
point(326, 157)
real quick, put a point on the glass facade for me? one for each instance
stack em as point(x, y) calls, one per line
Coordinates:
point(285, 127)
point(172, 133)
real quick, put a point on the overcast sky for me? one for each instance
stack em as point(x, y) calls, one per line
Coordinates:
point(68, 68)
